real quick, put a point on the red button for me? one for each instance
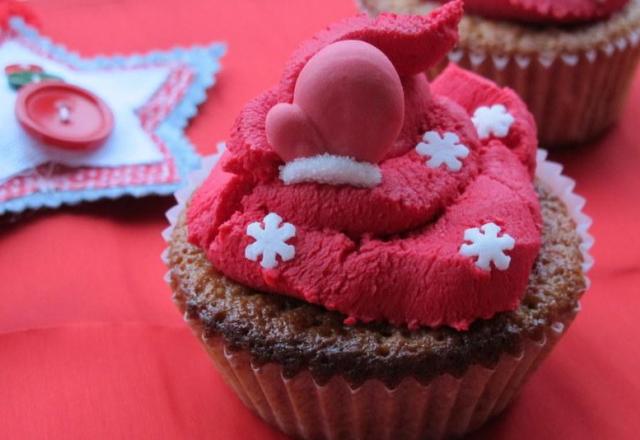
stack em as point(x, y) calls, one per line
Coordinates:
point(64, 115)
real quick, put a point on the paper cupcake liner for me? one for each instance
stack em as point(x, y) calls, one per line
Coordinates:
point(574, 96)
point(550, 173)
point(446, 406)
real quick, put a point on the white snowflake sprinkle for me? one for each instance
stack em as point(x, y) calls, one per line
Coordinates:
point(492, 121)
point(445, 149)
point(270, 241)
point(487, 246)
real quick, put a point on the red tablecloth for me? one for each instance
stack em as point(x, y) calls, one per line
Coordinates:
point(92, 347)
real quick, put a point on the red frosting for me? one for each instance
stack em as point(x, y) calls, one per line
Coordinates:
point(544, 11)
point(391, 252)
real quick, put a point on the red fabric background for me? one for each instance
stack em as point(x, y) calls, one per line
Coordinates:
point(92, 347)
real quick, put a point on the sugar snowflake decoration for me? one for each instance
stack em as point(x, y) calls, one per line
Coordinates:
point(487, 246)
point(271, 241)
point(492, 121)
point(445, 149)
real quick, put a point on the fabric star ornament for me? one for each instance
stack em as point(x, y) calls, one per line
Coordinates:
point(151, 97)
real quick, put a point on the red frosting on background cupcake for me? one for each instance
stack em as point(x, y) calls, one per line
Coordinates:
point(392, 252)
point(544, 11)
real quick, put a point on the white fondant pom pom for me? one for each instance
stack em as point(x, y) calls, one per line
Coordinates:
point(488, 247)
point(492, 121)
point(271, 241)
point(331, 170)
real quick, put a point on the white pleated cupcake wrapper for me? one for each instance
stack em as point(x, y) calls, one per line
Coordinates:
point(546, 59)
point(446, 406)
point(550, 173)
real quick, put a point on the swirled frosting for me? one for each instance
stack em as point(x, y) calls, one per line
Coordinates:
point(544, 11)
point(449, 233)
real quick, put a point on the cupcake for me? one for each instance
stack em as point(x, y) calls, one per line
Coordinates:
point(373, 255)
point(572, 62)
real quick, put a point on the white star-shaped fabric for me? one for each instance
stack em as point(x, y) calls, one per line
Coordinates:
point(152, 96)
point(488, 246)
point(271, 241)
point(492, 121)
point(445, 149)
point(124, 91)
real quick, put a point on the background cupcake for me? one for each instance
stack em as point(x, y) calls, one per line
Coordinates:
point(571, 63)
point(404, 286)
